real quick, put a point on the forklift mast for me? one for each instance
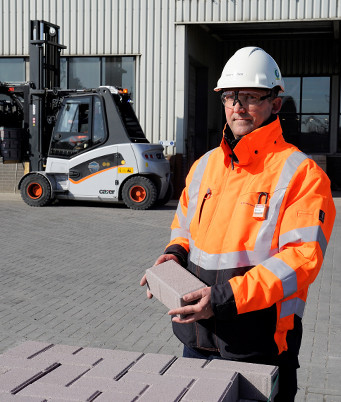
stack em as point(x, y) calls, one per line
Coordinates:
point(44, 53)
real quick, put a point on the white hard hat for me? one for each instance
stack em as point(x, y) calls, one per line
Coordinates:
point(251, 67)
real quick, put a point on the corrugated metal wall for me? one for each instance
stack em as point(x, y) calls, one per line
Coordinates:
point(142, 28)
point(151, 30)
point(255, 10)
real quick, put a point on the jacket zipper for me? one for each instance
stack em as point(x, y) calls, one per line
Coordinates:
point(206, 197)
point(232, 163)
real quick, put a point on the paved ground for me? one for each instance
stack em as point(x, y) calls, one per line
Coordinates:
point(70, 273)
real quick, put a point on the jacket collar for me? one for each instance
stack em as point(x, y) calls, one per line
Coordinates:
point(256, 143)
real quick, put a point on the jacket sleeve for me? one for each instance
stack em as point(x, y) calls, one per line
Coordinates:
point(180, 236)
point(301, 236)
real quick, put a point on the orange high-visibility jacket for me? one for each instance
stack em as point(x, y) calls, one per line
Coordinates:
point(254, 264)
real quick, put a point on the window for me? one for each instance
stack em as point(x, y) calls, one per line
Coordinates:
point(12, 69)
point(305, 113)
point(84, 72)
point(77, 129)
point(91, 72)
point(119, 71)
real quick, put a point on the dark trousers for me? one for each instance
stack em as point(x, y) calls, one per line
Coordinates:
point(287, 374)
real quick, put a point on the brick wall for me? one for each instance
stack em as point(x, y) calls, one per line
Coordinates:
point(10, 174)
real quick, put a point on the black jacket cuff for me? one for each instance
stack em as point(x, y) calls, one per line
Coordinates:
point(179, 252)
point(223, 302)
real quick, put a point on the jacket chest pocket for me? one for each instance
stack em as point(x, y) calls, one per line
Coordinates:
point(255, 204)
point(204, 199)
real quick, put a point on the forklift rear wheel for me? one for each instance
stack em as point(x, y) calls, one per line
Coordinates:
point(139, 193)
point(35, 190)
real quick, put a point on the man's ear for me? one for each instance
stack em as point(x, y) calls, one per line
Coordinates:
point(276, 105)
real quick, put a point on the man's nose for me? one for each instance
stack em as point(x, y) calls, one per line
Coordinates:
point(238, 107)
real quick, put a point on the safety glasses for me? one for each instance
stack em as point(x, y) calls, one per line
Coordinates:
point(244, 98)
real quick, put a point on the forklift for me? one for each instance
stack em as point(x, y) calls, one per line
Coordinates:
point(80, 144)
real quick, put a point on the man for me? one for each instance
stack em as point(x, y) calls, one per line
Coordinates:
point(253, 223)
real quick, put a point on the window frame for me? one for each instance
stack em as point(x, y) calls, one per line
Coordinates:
point(77, 99)
point(65, 68)
point(300, 135)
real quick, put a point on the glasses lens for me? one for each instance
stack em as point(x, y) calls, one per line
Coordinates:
point(227, 98)
point(245, 98)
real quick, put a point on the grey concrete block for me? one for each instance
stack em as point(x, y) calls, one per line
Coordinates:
point(184, 363)
point(159, 385)
point(97, 353)
point(112, 369)
point(28, 349)
point(257, 381)
point(197, 373)
point(153, 363)
point(113, 396)
point(18, 398)
point(75, 360)
point(105, 384)
point(169, 282)
point(14, 377)
point(50, 391)
point(137, 377)
point(9, 362)
point(205, 389)
point(64, 375)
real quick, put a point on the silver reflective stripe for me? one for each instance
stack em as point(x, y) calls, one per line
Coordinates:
point(193, 189)
point(283, 272)
point(179, 233)
point(231, 260)
point(292, 306)
point(304, 235)
point(181, 217)
point(267, 230)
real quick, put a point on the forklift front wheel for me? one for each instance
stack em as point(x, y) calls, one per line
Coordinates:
point(139, 193)
point(35, 190)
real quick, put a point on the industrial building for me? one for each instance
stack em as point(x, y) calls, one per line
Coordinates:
point(170, 53)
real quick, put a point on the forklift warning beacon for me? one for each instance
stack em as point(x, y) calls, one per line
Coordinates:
point(80, 144)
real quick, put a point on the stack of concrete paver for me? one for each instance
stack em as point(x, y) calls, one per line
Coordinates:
point(37, 371)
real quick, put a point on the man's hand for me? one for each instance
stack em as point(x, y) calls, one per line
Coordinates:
point(161, 259)
point(201, 310)
point(166, 257)
point(143, 282)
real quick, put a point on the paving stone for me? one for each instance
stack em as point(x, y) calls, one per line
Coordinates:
point(205, 389)
point(64, 375)
point(170, 388)
point(18, 398)
point(152, 363)
point(7, 361)
point(51, 390)
point(14, 377)
point(110, 396)
point(105, 384)
point(98, 353)
point(112, 369)
point(169, 282)
point(257, 381)
point(27, 349)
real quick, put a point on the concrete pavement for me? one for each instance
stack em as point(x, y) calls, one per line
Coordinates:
point(70, 273)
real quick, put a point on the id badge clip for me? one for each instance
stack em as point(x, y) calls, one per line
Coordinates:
point(260, 210)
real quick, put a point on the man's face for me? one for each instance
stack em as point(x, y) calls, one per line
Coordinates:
point(245, 118)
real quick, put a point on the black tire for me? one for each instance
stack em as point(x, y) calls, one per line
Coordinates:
point(167, 197)
point(35, 190)
point(139, 193)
